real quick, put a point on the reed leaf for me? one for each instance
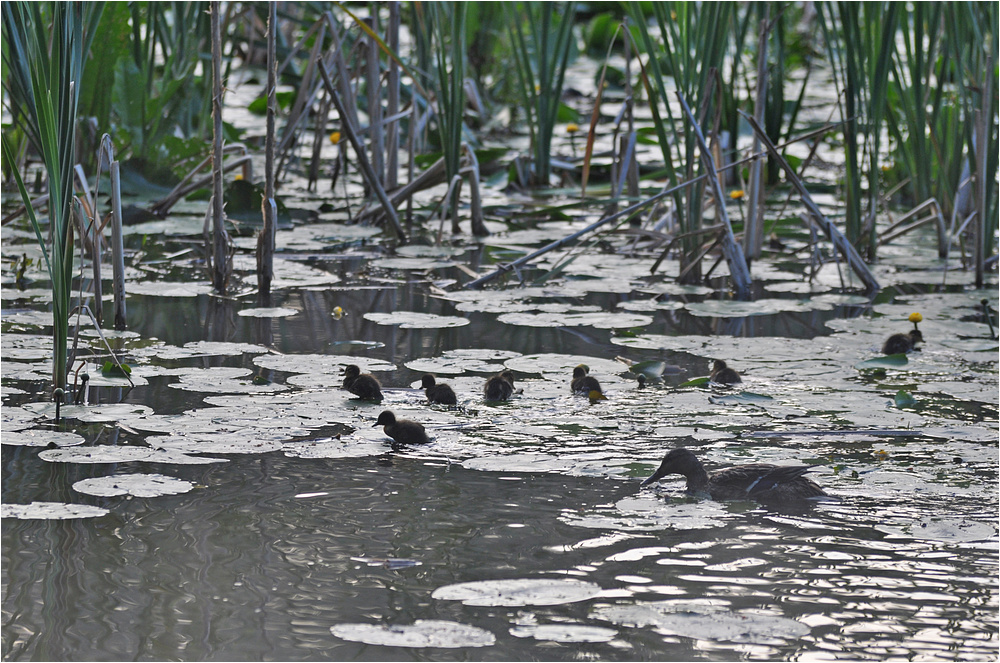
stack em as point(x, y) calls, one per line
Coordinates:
point(44, 56)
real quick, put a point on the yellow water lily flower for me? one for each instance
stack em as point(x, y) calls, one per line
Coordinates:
point(738, 194)
point(335, 137)
point(238, 176)
point(572, 128)
point(915, 318)
point(881, 454)
point(338, 313)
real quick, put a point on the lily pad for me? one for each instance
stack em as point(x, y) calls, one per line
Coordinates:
point(564, 633)
point(99, 454)
point(518, 592)
point(167, 289)
point(696, 382)
point(904, 398)
point(413, 320)
point(455, 362)
point(744, 397)
point(267, 312)
point(602, 320)
point(137, 485)
point(888, 361)
point(314, 363)
point(41, 438)
point(421, 634)
point(50, 511)
point(703, 622)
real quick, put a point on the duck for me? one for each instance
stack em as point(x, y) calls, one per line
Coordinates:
point(364, 386)
point(722, 374)
point(499, 387)
point(583, 383)
point(760, 481)
point(402, 431)
point(900, 343)
point(437, 393)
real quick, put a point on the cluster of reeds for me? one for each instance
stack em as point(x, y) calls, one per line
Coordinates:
point(916, 111)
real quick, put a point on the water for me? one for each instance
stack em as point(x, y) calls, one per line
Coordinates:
point(294, 544)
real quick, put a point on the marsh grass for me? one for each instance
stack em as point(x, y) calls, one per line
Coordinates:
point(45, 44)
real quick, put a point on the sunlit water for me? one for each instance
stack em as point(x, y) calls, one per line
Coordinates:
point(303, 536)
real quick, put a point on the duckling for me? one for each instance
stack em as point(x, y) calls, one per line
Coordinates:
point(899, 343)
point(722, 374)
point(402, 431)
point(583, 383)
point(438, 393)
point(760, 481)
point(366, 386)
point(500, 386)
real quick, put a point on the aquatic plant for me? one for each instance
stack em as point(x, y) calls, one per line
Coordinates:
point(860, 43)
point(44, 54)
point(542, 35)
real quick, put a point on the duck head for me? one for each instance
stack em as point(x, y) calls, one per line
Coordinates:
point(387, 418)
point(677, 461)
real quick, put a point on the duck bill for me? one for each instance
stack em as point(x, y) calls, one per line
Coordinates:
point(657, 475)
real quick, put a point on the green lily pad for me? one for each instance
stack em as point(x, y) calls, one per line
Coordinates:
point(696, 382)
point(904, 398)
point(111, 369)
point(742, 397)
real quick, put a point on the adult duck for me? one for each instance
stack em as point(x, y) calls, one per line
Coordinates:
point(402, 431)
point(364, 386)
point(583, 383)
point(499, 387)
point(438, 392)
point(761, 481)
point(722, 374)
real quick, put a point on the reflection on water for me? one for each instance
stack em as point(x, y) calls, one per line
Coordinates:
point(301, 520)
point(258, 565)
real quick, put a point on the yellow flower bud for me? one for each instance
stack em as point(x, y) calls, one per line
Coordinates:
point(737, 194)
point(915, 318)
point(238, 176)
point(335, 137)
point(572, 128)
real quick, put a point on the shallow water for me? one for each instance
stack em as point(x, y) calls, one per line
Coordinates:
point(301, 532)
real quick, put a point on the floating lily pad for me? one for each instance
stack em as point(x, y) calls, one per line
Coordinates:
point(691, 620)
point(90, 413)
point(605, 320)
point(455, 362)
point(238, 442)
point(696, 382)
point(314, 363)
point(50, 511)
point(167, 289)
point(388, 563)
point(288, 273)
point(421, 634)
point(888, 361)
point(904, 398)
point(565, 633)
point(518, 592)
point(267, 312)
point(41, 438)
point(223, 380)
point(137, 485)
point(99, 454)
point(412, 320)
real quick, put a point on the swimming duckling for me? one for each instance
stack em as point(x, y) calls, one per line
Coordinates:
point(760, 481)
point(366, 387)
point(583, 383)
point(499, 387)
point(722, 374)
point(402, 431)
point(899, 343)
point(437, 393)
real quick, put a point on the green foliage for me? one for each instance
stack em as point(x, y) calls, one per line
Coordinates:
point(543, 47)
point(112, 370)
point(44, 53)
point(860, 42)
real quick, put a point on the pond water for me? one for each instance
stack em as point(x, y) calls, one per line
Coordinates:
point(236, 504)
point(272, 521)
